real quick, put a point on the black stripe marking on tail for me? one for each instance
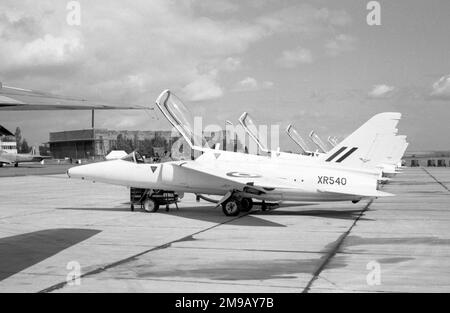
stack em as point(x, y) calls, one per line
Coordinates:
point(347, 154)
point(335, 154)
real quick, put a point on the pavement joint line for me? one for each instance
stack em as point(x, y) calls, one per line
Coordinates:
point(251, 250)
point(26, 214)
point(335, 250)
point(133, 257)
point(445, 187)
point(208, 282)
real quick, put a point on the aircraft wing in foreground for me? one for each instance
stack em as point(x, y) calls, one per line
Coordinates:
point(19, 99)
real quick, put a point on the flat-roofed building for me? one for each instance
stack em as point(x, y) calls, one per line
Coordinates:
point(97, 143)
point(427, 158)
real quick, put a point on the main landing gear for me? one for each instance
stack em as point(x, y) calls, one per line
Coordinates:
point(233, 206)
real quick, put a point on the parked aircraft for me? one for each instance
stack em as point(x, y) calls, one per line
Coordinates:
point(239, 178)
point(332, 141)
point(321, 145)
point(299, 141)
point(8, 151)
point(385, 154)
point(16, 158)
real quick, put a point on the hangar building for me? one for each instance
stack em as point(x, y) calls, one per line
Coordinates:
point(427, 158)
point(96, 143)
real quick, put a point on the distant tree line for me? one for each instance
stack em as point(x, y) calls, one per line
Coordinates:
point(145, 147)
point(23, 146)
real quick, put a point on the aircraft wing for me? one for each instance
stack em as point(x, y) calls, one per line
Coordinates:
point(3, 160)
point(357, 192)
point(18, 99)
point(250, 182)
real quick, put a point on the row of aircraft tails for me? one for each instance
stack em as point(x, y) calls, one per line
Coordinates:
point(351, 170)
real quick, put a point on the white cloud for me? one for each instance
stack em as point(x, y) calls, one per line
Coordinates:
point(341, 43)
point(217, 6)
point(205, 87)
point(381, 91)
point(251, 84)
point(231, 64)
point(267, 85)
point(49, 49)
point(304, 18)
point(441, 88)
point(248, 83)
point(148, 47)
point(292, 58)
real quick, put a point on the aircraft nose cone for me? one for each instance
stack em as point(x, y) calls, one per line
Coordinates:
point(77, 172)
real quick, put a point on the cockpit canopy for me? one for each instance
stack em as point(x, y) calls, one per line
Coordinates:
point(252, 130)
point(295, 136)
point(181, 118)
point(134, 157)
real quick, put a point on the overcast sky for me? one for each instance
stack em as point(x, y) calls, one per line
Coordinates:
point(316, 64)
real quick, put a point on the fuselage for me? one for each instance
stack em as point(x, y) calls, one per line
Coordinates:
point(294, 181)
point(6, 157)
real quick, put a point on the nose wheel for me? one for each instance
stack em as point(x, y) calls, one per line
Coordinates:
point(150, 205)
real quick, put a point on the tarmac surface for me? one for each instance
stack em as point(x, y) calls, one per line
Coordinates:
point(50, 225)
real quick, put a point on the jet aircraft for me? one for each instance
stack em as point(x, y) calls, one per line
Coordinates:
point(240, 178)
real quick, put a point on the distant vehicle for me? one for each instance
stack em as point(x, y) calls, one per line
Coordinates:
point(115, 155)
point(239, 178)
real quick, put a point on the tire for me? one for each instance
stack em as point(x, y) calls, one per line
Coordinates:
point(150, 205)
point(16, 164)
point(246, 204)
point(231, 208)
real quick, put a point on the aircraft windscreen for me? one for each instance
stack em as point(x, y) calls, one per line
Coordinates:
point(134, 157)
point(181, 118)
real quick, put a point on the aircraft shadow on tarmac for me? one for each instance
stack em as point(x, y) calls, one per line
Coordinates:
point(215, 215)
point(334, 214)
point(22, 251)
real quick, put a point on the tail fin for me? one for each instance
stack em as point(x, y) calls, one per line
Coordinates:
point(358, 148)
point(5, 132)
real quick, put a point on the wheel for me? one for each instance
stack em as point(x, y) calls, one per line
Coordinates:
point(16, 164)
point(231, 208)
point(246, 204)
point(150, 205)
